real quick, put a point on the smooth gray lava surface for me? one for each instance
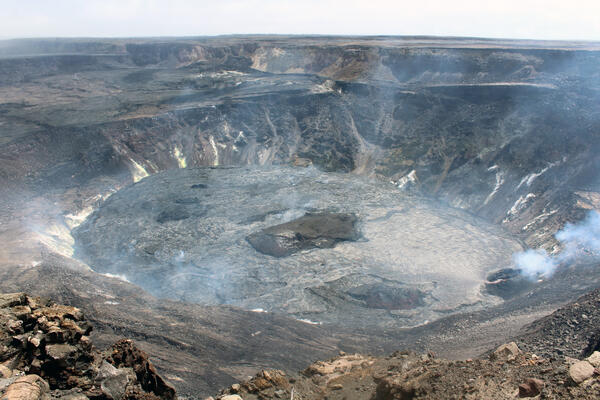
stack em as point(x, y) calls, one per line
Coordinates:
point(183, 234)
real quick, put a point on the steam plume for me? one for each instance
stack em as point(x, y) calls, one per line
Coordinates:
point(585, 235)
point(576, 239)
point(533, 263)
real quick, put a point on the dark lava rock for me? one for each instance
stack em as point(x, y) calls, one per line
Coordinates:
point(318, 230)
point(124, 354)
point(388, 297)
point(507, 283)
point(172, 214)
point(531, 387)
point(188, 200)
point(569, 331)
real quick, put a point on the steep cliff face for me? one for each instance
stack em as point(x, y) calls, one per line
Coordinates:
point(506, 130)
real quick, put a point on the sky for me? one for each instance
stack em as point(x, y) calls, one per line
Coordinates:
point(524, 19)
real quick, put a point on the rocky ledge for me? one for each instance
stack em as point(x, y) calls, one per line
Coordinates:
point(46, 352)
point(507, 374)
point(553, 358)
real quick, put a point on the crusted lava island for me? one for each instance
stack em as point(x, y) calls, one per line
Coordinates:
point(314, 230)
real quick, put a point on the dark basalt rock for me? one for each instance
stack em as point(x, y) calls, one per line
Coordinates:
point(318, 230)
point(124, 354)
point(172, 214)
point(199, 186)
point(507, 283)
point(388, 297)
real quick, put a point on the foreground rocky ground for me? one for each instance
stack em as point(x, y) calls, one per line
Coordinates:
point(536, 367)
point(46, 352)
point(198, 349)
point(407, 375)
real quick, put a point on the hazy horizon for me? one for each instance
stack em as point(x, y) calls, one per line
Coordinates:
point(579, 20)
point(299, 35)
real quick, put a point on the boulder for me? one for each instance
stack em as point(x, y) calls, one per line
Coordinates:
point(506, 352)
point(5, 372)
point(6, 382)
point(115, 386)
point(28, 387)
point(531, 387)
point(581, 371)
point(594, 359)
point(14, 326)
point(12, 299)
point(60, 352)
point(114, 381)
point(266, 379)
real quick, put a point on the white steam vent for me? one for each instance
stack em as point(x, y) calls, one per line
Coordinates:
point(577, 240)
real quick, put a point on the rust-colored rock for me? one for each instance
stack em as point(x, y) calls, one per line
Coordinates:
point(52, 346)
point(531, 387)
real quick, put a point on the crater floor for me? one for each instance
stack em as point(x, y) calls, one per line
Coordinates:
point(183, 234)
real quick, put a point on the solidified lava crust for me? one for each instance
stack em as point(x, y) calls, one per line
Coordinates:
point(313, 230)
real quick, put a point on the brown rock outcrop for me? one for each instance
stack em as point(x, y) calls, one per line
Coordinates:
point(124, 354)
point(45, 346)
point(531, 387)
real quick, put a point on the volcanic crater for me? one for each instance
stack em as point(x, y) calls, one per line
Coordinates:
point(235, 203)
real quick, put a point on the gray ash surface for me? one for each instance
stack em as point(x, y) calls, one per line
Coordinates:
point(325, 247)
